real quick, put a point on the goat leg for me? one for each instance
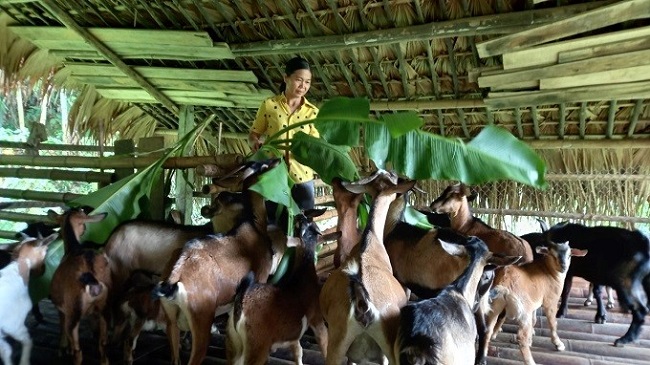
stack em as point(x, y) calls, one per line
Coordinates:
point(632, 334)
point(561, 313)
point(482, 331)
point(601, 313)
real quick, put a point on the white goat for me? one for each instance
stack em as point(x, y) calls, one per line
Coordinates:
point(15, 304)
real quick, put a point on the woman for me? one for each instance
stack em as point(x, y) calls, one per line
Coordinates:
point(282, 110)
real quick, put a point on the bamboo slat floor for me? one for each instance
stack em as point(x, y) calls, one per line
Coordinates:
point(586, 343)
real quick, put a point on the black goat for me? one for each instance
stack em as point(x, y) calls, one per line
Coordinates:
point(617, 257)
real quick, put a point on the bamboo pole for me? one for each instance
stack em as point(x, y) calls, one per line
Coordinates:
point(24, 217)
point(55, 147)
point(53, 174)
point(225, 160)
point(8, 235)
point(38, 195)
point(587, 217)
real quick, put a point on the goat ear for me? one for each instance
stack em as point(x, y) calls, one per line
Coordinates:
point(578, 253)
point(542, 250)
point(499, 260)
point(464, 189)
point(453, 249)
point(49, 239)
point(313, 213)
point(96, 217)
point(542, 224)
point(54, 216)
point(403, 186)
point(293, 241)
point(330, 236)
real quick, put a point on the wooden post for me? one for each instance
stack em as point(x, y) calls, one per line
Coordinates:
point(124, 147)
point(156, 199)
point(184, 200)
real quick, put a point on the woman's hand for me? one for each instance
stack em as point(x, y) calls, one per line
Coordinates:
point(254, 141)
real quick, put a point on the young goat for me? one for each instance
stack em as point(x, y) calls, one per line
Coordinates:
point(442, 330)
point(80, 283)
point(619, 258)
point(453, 201)
point(361, 300)
point(266, 316)
point(203, 281)
point(15, 303)
point(520, 290)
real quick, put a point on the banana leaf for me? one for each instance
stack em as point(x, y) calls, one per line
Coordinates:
point(275, 185)
point(123, 200)
point(332, 160)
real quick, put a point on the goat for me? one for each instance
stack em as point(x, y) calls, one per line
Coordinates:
point(15, 303)
point(80, 283)
point(619, 258)
point(148, 245)
point(347, 204)
point(520, 290)
point(453, 201)
point(442, 330)
point(266, 316)
point(536, 239)
point(138, 309)
point(361, 299)
point(411, 248)
point(203, 280)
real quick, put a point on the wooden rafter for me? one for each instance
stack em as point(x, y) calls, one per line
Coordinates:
point(110, 55)
point(402, 69)
point(346, 73)
point(638, 107)
point(380, 71)
point(562, 121)
point(611, 115)
point(441, 122)
point(583, 118)
point(535, 118)
point(520, 127)
point(492, 24)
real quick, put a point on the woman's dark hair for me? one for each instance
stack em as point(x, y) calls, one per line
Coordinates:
point(293, 65)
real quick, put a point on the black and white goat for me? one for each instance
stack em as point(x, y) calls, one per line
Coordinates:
point(442, 330)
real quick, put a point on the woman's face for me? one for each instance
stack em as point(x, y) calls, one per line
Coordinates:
point(298, 83)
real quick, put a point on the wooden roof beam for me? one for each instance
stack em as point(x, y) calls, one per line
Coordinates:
point(638, 107)
point(594, 19)
point(506, 23)
point(67, 20)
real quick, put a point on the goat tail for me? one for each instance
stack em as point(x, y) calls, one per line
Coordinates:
point(164, 289)
point(91, 285)
point(242, 288)
point(361, 305)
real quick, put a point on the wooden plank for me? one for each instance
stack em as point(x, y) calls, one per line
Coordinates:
point(238, 88)
point(607, 49)
point(548, 54)
point(137, 93)
point(118, 63)
point(165, 73)
point(532, 84)
point(596, 64)
point(628, 74)
point(107, 35)
point(589, 20)
point(129, 50)
point(629, 90)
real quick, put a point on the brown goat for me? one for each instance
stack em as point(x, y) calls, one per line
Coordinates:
point(80, 284)
point(453, 201)
point(204, 279)
point(139, 310)
point(364, 285)
point(28, 259)
point(267, 316)
point(520, 290)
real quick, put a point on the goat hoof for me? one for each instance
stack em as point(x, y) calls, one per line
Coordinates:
point(560, 346)
point(587, 302)
point(601, 320)
point(610, 306)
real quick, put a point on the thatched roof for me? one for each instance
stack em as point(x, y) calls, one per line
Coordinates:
point(462, 64)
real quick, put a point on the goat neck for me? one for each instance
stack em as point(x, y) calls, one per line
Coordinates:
point(467, 283)
point(30, 253)
point(395, 213)
point(347, 204)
